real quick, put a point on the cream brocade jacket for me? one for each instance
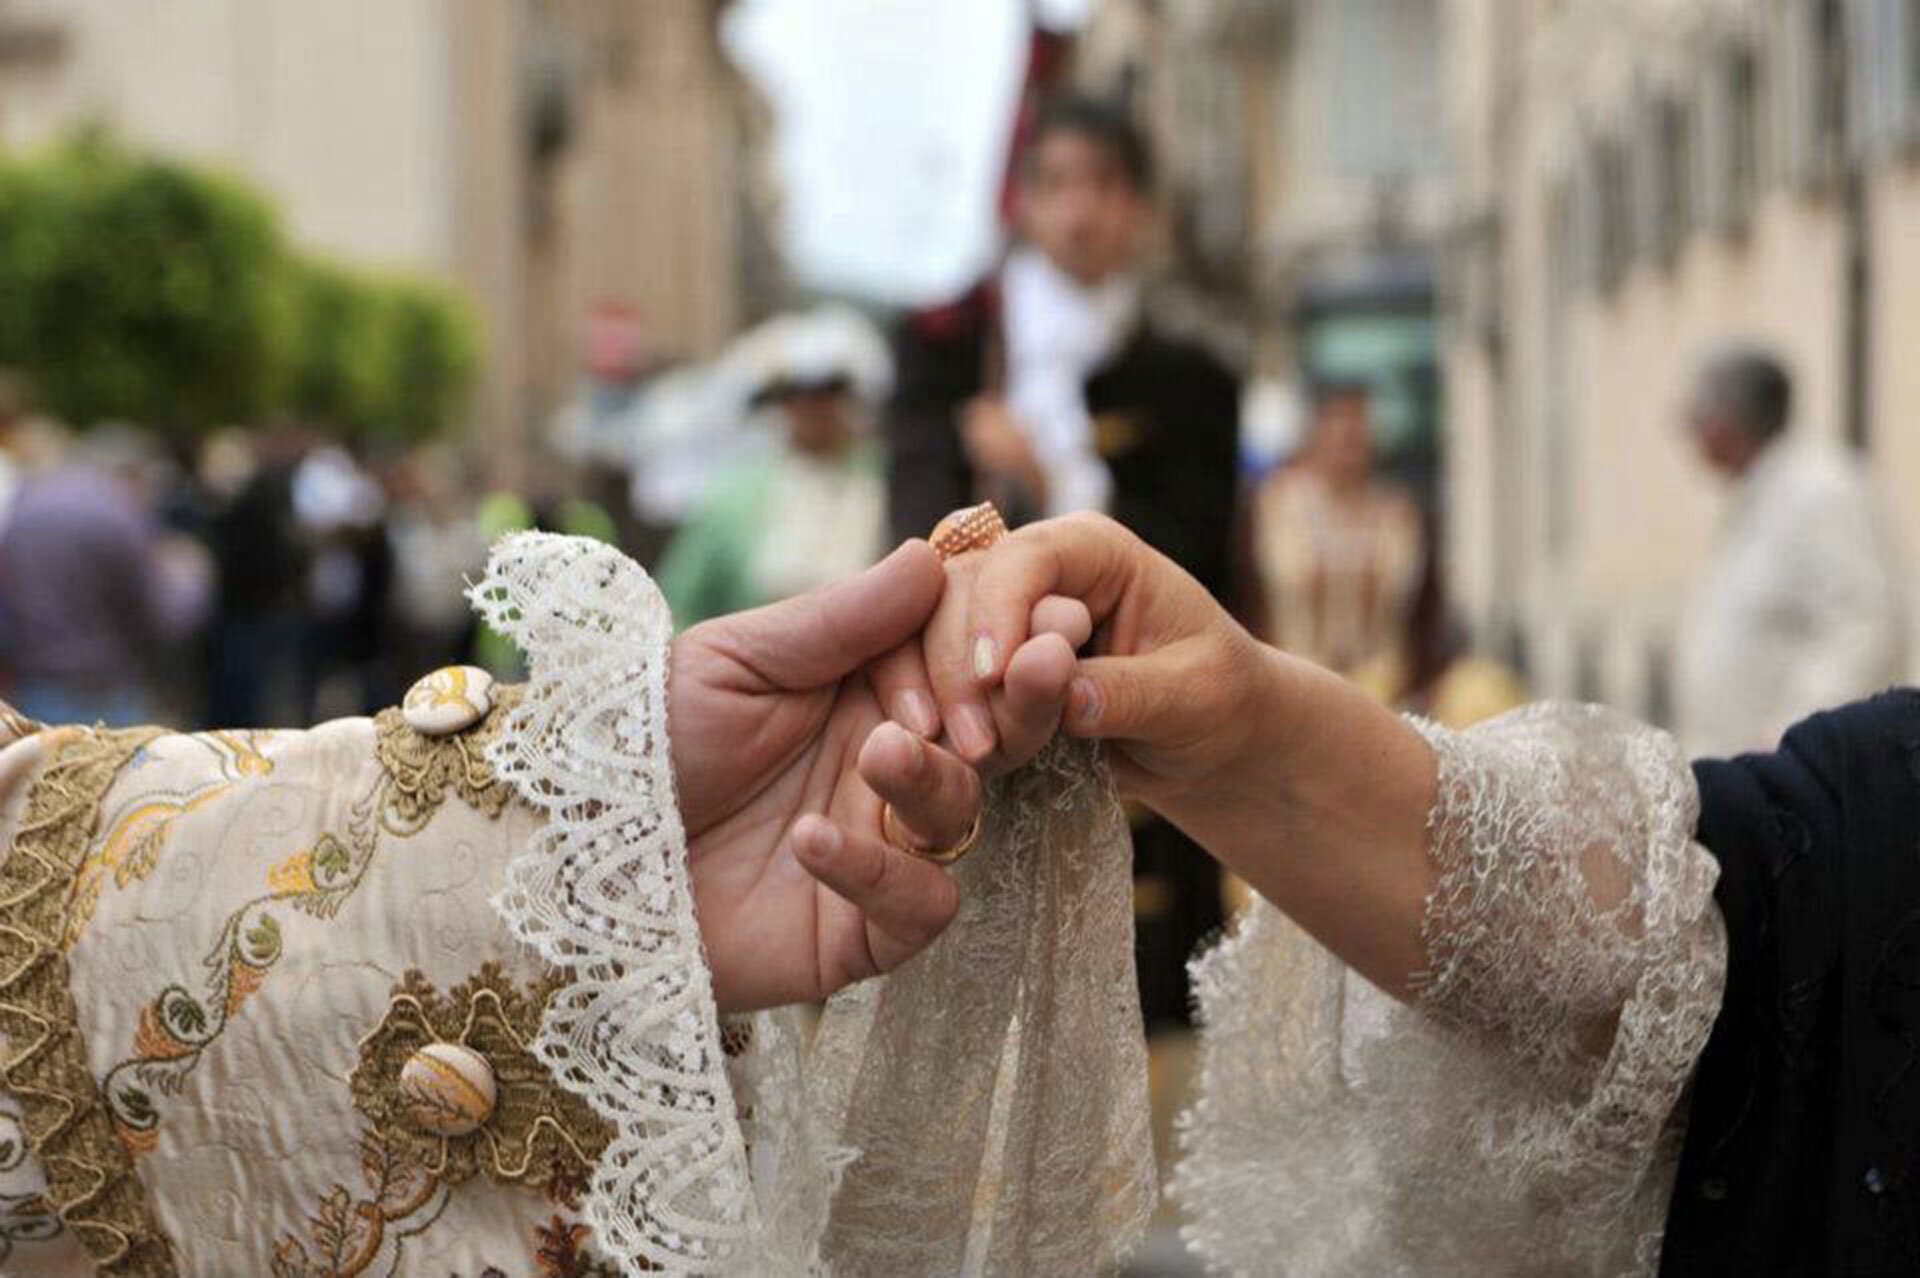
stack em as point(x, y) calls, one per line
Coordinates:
point(376, 1000)
point(373, 1000)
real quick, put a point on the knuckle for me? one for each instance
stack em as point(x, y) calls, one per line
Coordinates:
point(869, 877)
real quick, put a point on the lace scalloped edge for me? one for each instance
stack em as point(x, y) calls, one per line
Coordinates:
point(603, 894)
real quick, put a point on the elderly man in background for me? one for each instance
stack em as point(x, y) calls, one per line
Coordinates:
point(1801, 607)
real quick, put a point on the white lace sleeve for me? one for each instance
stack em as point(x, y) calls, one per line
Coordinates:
point(980, 1110)
point(1521, 1116)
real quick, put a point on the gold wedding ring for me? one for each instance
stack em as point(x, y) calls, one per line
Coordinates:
point(969, 528)
point(892, 832)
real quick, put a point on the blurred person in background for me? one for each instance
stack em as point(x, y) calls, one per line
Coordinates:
point(261, 564)
point(811, 511)
point(341, 510)
point(13, 412)
point(95, 589)
point(437, 546)
point(1338, 551)
point(1800, 608)
point(1052, 391)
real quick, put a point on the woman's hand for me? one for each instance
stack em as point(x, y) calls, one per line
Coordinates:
point(783, 753)
point(1288, 774)
point(1174, 682)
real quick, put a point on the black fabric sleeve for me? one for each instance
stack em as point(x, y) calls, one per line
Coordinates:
point(1802, 1145)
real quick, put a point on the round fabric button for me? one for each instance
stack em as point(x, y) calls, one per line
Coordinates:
point(446, 1089)
point(451, 699)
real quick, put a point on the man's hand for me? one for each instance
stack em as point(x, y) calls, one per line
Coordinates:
point(783, 754)
point(998, 448)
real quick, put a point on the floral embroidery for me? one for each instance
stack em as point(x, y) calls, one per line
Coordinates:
point(536, 1133)
point(562, 1252)
point(346, 1235)
point(25, 1214)
point(179, 1024)
point(91, 1182)
point(135, 837)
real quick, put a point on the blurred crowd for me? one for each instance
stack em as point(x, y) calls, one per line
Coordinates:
point(276, 576)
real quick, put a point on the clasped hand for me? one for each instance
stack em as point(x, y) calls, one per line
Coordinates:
point(909, 684)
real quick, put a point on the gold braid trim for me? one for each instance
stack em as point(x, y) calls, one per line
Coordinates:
point(421, 769)
point(91, 1181)
point(14, 725)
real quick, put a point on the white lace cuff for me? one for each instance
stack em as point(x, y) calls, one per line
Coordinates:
point(1520, 1117)
point(981, 1110)
point(603, 894)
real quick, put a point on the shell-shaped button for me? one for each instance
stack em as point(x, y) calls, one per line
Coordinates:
point(451, 699)
point(446, 1090)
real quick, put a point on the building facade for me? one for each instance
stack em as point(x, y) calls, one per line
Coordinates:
point(1638, 181)
point(1523, 221)
point(548, 156)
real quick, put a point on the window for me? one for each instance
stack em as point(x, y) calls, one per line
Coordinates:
point(1727, 148)
point(1884, 39)
point(1614, 209)
point(1673, 142)
point(1743, 88)
point(1662, 177)
point(1812, 48)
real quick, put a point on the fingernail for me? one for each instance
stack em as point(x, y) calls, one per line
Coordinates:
point(986, 656)
point(1083, 703)
point(825, 840)
point(914, 712)
point(916, 753)
point(973, 731)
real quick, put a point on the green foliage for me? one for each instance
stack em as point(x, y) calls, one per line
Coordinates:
point(380, 357)
point(132, 288)
point(161, 293)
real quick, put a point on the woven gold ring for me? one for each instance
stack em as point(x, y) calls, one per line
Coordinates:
point(969, 528)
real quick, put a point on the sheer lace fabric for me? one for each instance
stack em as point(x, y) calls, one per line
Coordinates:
point(1522, 1116)
point(981, 1110)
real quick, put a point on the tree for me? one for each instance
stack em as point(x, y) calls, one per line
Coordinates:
point(140, 289)
point(380, 357)
point(166, 294)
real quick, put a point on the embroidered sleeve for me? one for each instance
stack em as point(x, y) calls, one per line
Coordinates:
point(1520, 1116)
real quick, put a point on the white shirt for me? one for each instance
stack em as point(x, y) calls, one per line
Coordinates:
point(1800, 610)
point(1058, 331)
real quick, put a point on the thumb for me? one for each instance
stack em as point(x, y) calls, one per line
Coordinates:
point(1146, 699)
point(822, 636)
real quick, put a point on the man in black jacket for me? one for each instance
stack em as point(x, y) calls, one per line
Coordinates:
point(1049, 391)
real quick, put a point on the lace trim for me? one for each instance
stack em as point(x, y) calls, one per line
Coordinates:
point(1572, 926)
point(421, 770)
point(1523, 1115)
point(603, 895)
point(90, 1175)
point(996, 1086)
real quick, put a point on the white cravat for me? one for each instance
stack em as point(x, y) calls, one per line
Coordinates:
point(1058, 331)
